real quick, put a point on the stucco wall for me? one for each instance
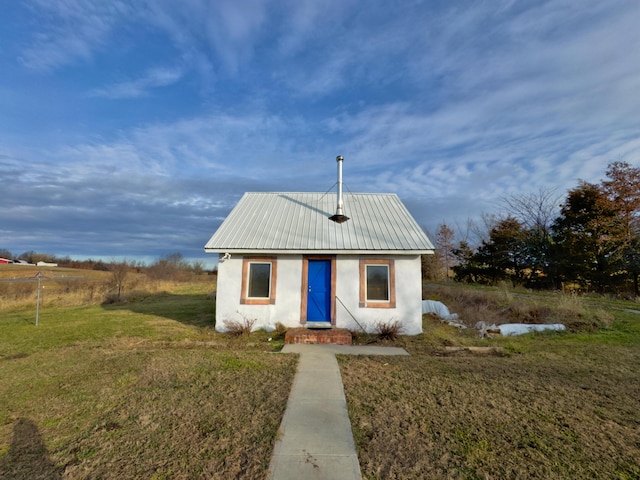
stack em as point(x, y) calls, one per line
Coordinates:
point(408, 296)
point(286, 310)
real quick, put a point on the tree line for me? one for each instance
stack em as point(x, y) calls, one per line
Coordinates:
point(166, 267)
point(590, 241)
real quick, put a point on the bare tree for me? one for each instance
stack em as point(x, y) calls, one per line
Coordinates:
point(444, 245)
point(465, 232)
point(119, 272)
point(535, 211)
point(481, 229)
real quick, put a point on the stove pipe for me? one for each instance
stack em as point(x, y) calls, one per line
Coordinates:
point(339, 217)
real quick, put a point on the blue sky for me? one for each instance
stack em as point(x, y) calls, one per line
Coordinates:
point(129, 129)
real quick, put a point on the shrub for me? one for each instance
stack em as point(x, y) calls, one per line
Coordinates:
point(388, 330)
point(237, 328)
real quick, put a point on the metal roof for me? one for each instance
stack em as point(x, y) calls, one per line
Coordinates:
point(299, 223)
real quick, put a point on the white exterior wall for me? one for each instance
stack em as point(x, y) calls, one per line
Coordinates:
point(408, 308)
point(286, 310)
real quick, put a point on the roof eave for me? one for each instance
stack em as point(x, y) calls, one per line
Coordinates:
point(317, 252)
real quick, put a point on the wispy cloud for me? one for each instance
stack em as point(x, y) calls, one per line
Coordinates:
point(70, 30)
point(139, 87)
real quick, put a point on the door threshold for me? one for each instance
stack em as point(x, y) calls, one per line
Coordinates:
point(318, 325)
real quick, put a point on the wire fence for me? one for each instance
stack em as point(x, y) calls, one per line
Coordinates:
point(39, 279)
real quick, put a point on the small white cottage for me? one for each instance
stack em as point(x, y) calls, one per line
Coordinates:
point(287, 258)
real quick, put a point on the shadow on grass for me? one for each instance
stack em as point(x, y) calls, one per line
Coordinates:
point(196, 310)
point(27, 456)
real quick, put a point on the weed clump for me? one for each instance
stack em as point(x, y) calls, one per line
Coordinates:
point(239, 328)
point(577, 318)
point(389, 330)
point(279, 332)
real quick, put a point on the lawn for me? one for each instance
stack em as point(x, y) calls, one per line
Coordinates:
point(147, 389)
point(553, 406)
point(141, 390)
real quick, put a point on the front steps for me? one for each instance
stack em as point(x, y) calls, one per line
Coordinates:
point(331, 336)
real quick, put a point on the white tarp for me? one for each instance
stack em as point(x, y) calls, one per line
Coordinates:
point(439, 308)
point(513, 329)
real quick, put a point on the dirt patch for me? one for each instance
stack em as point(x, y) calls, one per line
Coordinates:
point(17, 356)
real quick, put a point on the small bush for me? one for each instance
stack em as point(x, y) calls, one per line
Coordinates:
point(279, 332)
point(388, 330)
point(237, 328)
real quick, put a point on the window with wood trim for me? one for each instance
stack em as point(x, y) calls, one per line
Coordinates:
point(259, 276)
point(377, 283)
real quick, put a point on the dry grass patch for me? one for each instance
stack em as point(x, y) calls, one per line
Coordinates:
point(74, 287)
point(555, 406)
point(489, 417)
point(163, 413)
point(494, 306)
point(145, 389)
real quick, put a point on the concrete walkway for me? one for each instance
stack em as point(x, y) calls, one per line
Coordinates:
point(315, 435)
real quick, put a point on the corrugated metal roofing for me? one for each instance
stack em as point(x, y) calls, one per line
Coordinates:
point(299, 223)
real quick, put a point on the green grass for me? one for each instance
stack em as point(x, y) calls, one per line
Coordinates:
point(145, 389)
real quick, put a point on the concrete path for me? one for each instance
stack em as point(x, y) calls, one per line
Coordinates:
point(315, 435)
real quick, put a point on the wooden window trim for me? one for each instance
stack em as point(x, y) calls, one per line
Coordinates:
point(246, 261)
point(364, 303)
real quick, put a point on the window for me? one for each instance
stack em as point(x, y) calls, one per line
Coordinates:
point(258, 281)
point(377, 283)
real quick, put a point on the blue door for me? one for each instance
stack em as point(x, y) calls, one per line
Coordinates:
point(319, 291)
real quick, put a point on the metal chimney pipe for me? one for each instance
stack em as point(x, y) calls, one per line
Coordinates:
point(339, 217)
point(339, 160)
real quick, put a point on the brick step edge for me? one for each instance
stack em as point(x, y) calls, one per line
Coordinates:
point(334, 336)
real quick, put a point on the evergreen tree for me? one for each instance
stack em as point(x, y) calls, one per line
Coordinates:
point(587, 234)
point(504, 255)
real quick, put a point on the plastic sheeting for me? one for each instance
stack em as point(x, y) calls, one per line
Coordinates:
point(513, 329)
point(439, 308)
